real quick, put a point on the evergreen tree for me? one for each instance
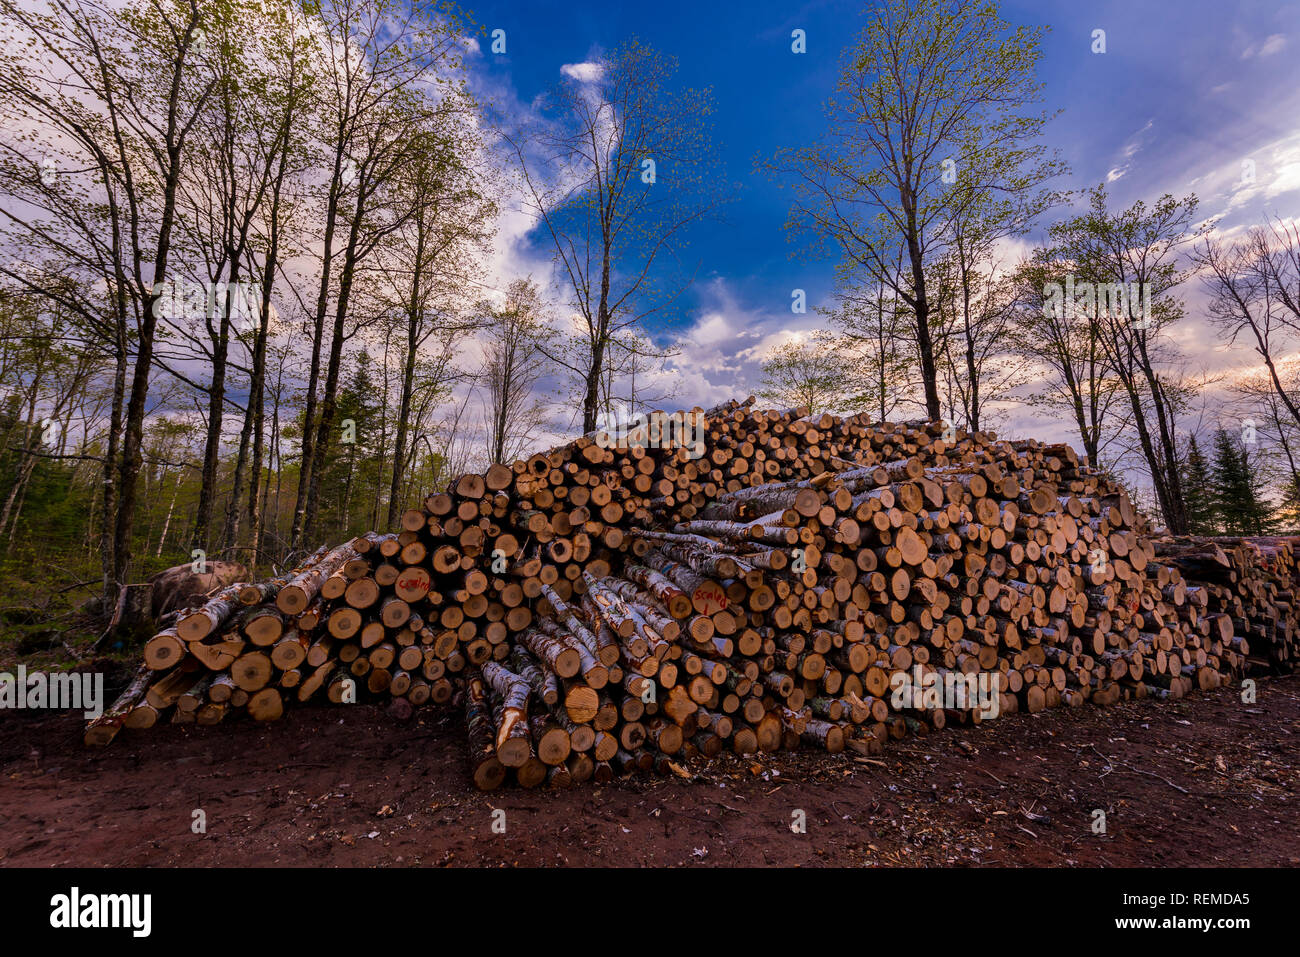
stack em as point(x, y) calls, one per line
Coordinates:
point(1288, 512)
point(353, 463)
point(1238, 492)
point(1201, 511)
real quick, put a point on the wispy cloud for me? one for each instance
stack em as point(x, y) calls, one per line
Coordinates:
point(1132, 146)
point(1272, 44)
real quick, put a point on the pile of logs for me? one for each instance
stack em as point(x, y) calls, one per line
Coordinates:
point(1247, 586)
point(602, 609)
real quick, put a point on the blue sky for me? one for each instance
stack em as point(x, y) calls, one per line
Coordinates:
point(1184, 94)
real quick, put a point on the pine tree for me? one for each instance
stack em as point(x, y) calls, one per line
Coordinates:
point(1262, 516)
point(350, 478)
point(1288, 512)
point(1237, 490)
point(1201, 511)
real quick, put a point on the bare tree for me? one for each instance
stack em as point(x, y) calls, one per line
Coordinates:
point(1263, 411)
point(1064, 350)
point(973, 302)
point(621, 171)
point(873, 322)
point(430, 263)
point(932, 91)
point(113, 94)
point(1254, 288)
point(375, 60)
point(1138, 249)
point(513, 364)
point(244, 141)
point(1001, 200)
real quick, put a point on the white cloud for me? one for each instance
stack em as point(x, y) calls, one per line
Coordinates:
point(1266, 172)
point(587, 72)
point(1129, 150)
point(1272, 44)
point(1135, 141)
point(1286, 180)
point(1284, 162)
point(721, 352)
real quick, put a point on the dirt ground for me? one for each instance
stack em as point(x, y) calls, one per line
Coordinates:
point(1204, 781)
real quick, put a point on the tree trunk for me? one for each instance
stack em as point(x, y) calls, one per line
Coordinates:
point(921, 306)
point(329, 403)
point(408, 380)
point(26, 464)
point(591, 397)
point(318, 331)
point(201, 538)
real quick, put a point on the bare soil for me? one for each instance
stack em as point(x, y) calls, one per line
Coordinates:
point(1203, 781)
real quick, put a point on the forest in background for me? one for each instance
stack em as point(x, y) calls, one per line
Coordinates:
point(243, 307)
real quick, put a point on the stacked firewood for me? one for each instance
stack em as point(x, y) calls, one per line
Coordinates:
point(355, 621)
point(1246, 586)
point(737, 579)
